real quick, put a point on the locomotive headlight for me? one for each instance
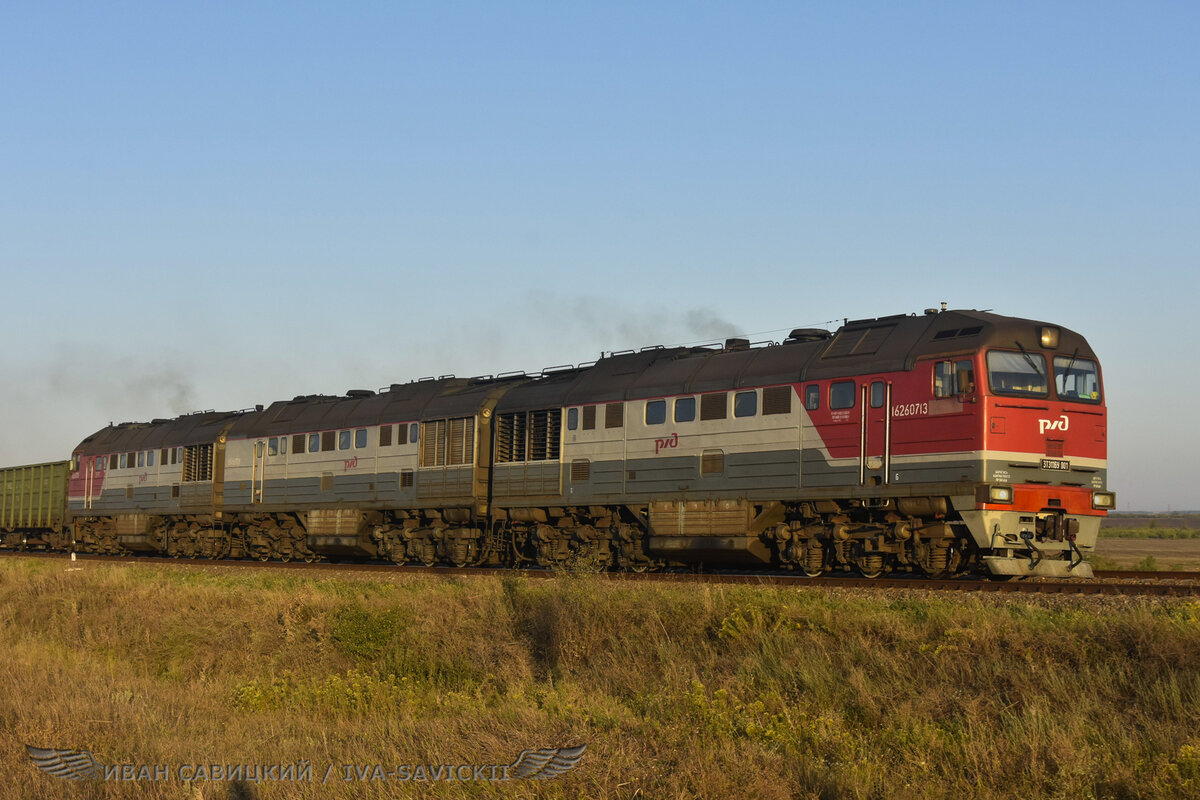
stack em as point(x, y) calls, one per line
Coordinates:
point(1105, 500)
point(1000, 494)
point(1049, 337)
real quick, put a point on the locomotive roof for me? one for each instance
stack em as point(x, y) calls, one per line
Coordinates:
point(204, 426)
point(859, 347)
point(444, 397)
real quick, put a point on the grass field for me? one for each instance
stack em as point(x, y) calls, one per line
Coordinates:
point(677, 690)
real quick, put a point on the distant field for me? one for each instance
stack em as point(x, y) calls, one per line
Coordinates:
point(1181, 522)
point(1149, 541)
point(677, 691)
point(1147, 553)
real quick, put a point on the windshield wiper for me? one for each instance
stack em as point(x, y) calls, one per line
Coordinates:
point(1029, 360)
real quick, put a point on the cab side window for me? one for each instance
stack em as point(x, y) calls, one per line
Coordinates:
point(952, 378)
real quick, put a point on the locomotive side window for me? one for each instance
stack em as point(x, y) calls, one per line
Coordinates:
point(877, 394)
point(1018, 374)
point(656, 412)
point(413, 433)
point(360, 438)
point(273, 446)
point(841, 394)
point(343, 440)
point(572, 419)
point(1076, 379)
point(149, 458)
point(812, 397)
point(745, 404)
point(685, 409)
point(141, 459)
point(951, 378)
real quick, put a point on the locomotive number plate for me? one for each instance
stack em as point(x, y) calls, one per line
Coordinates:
point(1055, 463)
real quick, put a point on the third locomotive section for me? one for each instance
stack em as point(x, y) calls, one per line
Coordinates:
point(959, 440)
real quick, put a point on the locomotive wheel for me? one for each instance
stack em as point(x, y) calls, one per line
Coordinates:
point(871, 566)
point(813, 573)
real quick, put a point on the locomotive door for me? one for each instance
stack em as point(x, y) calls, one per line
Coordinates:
point(875, 445)
point(89, 481)
point(258, 473)
point(270, 464)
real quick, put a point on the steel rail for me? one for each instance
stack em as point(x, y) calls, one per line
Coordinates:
point(1108, 582)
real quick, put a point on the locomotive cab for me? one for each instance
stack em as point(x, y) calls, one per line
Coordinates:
point(1043, 454)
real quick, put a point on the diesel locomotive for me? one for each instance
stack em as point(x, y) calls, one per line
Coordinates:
point(946, 442)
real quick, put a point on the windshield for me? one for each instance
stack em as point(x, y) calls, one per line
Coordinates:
point(1020, 374)
point(1076, 379)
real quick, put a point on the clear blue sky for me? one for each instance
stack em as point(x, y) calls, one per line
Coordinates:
point(212, 205)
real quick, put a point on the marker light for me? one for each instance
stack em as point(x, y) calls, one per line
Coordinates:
point(1049, 337)
point(1105, 500)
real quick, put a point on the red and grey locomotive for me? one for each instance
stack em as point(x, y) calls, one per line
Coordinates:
point(936, 443)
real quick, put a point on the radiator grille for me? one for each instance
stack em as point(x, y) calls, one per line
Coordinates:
point(713, 406)
point(712, 462)
point(777, 400)
point(197, 462)
point(614, 415)
point(529, 436)
point(581, 470)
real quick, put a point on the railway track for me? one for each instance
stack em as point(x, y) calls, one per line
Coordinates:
point(1106, 582)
